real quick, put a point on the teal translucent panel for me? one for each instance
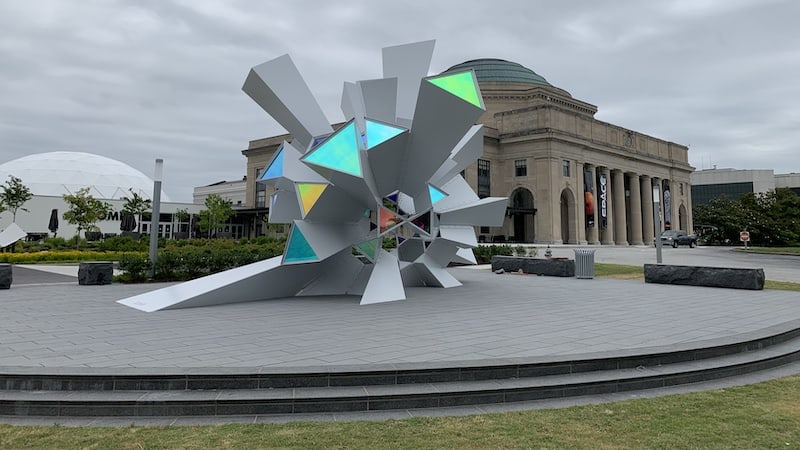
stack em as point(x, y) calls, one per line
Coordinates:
point(368, 248)
point(435, 193)
point(339, 152)
point(378, 133)
point(275, 168)
point(298, 249)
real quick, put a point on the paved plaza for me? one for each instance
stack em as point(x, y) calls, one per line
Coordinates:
point(52, 323)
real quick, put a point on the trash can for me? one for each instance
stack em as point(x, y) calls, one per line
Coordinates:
point(584, 263)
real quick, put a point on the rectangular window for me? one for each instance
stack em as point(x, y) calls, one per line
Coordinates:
point(261, 191)
point(681, 188)
point(521, 167)
point(565, 168)
point(484, 178)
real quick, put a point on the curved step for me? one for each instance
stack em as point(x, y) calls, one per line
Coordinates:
point(512, 383)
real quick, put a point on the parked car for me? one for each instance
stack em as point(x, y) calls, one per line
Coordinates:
point(678, 237)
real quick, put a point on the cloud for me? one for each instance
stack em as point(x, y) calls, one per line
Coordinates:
point(139, 80)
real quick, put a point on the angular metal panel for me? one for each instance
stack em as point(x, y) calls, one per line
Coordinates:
point(466, 152)
point(280, 90)
point(408, 63)
point(440, 122)
point(385, 283)
point(284, 207)
point(462, 234)
point(380, 98)
point(489, 211)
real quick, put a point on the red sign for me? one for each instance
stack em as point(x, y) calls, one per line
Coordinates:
point(744, 236)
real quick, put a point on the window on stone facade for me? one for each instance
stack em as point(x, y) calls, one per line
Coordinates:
point(521, 167)
point(565, 168)
point(681, 185)
point(484, 178)
point(261, 191)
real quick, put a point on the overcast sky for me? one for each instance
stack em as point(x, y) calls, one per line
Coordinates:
point(140, 80)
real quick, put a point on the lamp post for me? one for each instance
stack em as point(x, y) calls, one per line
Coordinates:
point(155, 216)
point(657, 221)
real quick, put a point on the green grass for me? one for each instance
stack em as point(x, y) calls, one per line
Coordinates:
point(771, 250)
point(765, 415)
point(620, 271)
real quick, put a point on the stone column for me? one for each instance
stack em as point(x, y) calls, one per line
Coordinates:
point(591, 231)
point(620, 218)
point(607, 235)
point(647, 209)
point(636, 209)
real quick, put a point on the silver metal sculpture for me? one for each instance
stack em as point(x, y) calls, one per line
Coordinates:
point(392, 171)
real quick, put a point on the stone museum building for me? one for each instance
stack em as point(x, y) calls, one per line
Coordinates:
point(569, 178)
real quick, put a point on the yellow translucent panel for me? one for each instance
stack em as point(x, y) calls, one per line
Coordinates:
point(309, 194)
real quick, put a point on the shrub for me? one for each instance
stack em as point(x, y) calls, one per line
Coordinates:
point(134, 267)
point(484, 253)
point(122, 244)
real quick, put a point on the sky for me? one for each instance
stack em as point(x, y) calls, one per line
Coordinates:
point(136, 80)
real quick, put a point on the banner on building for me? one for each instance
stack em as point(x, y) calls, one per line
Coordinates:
point(602, 191)
point(588, 197)
point(667, 206)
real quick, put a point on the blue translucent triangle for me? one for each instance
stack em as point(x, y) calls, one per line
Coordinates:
point(435, 193)
point(339, 152)
point(378, 133)
point(298, 249)
point(275, 169)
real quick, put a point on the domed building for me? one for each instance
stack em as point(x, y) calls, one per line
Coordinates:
point(569, 178)
point(59, 173)
point(52, 175)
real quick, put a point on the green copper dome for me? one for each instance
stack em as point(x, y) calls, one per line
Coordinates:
point(500, 71)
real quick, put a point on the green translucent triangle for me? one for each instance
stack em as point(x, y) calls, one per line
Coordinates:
point(368, 248)
point(461, 84)
point(435, 193)
point(378, 133)
point(298, 249)
point(339, 152)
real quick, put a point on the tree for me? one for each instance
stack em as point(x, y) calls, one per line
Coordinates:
point(84, 210)
point(182, 215)
point(136, 205)
point(218, 211)
point(13, 195)
point(770, 217)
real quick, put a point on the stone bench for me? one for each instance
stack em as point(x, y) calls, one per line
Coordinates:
point(95, 272)
point(5, 276)
point(556, 267)
point(705, 276)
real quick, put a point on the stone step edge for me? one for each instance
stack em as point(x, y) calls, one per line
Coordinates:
point(393, 397)
point(12, 380)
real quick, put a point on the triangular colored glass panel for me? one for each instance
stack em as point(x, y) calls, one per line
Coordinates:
point(436, 194)
point(309, 194)
point(461, 84)
point(369, 248)
point(275, 169)
point(298, 249)
point(387, 219)
point(339, 152)
point(378, 133)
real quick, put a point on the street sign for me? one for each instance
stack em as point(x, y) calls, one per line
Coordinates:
point(744, 236)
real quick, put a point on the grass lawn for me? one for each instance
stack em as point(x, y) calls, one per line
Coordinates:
point(765, 415)
point(771, 250)
point(620, 271)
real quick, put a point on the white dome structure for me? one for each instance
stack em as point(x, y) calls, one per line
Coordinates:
point(59, 173)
